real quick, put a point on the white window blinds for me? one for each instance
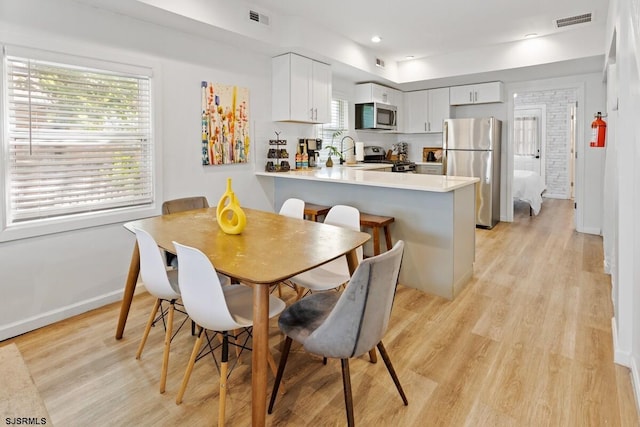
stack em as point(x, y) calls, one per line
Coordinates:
point(78, 139)
point(339, 122)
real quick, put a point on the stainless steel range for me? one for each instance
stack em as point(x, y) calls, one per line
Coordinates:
point(376, 154)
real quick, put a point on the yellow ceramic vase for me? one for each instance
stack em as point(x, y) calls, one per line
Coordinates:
point(231, 217)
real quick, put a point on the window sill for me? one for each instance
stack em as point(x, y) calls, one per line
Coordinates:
point(76, 222)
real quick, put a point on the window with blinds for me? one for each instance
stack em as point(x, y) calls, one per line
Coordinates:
point(78, 139)
point(339, 123)
point(525, 136)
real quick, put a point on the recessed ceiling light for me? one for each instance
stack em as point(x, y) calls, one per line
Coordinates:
point(530, 35)
point(376, 39)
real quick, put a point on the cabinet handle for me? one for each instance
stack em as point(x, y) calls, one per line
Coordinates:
point(425, 126)
point(311, 113)
point(470, 96)
point(429, 126)
point(316, 113)
point(475, 96)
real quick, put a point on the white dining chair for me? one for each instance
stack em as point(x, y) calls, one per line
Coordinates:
point(293, 208)
point(215, 308)
point(334, 273)
point(163, 285)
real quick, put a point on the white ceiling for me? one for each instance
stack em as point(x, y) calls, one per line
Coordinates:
point(427, 28)
point(456, 40)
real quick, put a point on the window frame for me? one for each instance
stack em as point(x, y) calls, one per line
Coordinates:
point(325, 129)
point(75, 221)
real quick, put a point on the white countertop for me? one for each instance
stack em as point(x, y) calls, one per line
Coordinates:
point(366, 174)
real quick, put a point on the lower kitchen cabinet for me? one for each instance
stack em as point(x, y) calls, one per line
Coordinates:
point(429, 168)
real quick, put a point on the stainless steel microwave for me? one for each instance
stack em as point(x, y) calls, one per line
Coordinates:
point(375, 115)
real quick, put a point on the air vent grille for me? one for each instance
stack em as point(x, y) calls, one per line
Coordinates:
point(379, 63)
point(573, 20)
point(258, 17)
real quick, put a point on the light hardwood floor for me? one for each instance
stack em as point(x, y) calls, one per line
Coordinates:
point(527, 343)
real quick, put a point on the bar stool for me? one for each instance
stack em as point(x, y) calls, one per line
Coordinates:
point(312, 211)
point(376, 222)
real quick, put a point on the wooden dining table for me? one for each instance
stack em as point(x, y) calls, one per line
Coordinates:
point(271, 248)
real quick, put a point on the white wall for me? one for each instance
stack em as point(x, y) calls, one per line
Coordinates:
point(51, 277)
point(623, 226)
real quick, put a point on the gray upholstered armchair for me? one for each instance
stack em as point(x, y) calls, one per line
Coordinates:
point(346, 325)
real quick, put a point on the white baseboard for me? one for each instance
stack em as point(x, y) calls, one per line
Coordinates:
point(620, 357)
point(32, 323)
point(635, 381)
point(625, 358)
point(590, 230)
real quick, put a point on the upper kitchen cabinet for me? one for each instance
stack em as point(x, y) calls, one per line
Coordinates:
point(482, 93)
point(301, 89)
point(372, 92)
point(426, 110)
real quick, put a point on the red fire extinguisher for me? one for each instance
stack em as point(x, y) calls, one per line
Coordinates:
point(599, 128)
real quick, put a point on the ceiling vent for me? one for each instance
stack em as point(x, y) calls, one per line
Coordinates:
point(379, 63)
point(258, 17)
point(573, 20)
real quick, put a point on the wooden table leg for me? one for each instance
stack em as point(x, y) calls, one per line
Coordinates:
point(259, 354)
point(129, 289)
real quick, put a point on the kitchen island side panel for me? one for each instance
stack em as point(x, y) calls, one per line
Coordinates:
point(440, 242)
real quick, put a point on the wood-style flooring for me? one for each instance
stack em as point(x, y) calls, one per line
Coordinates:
point(527, 343)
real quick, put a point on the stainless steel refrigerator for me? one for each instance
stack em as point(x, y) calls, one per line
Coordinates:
point(472, 148)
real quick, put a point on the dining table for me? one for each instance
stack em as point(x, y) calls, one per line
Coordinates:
point(270, 249)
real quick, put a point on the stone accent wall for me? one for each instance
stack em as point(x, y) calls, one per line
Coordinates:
point(557, 144)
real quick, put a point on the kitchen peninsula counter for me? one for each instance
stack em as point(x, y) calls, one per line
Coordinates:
point(434, 215)
point(371, 174)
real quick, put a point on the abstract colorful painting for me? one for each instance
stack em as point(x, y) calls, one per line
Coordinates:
point(225, 124)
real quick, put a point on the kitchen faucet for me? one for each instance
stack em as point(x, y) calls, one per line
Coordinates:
point(342, 149)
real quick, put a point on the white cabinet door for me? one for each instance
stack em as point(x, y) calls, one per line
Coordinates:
point(301, 90)
point(439, 109)
point(482, 93)
point(416, 111)
point(301, 101)
point(425, 110)
point(461, 95)
point(380, 94)
point(489, 92)
point(321, 92)
point(372, 92)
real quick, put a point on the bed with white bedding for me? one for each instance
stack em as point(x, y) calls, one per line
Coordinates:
point(528, 187)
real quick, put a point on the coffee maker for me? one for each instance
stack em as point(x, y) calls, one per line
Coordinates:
point(312, 146)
